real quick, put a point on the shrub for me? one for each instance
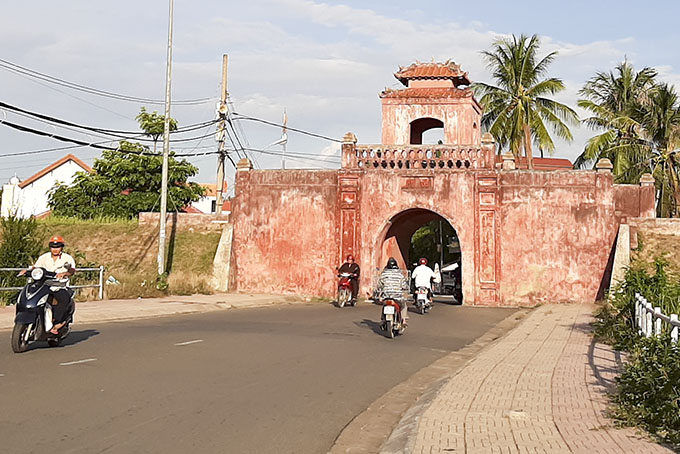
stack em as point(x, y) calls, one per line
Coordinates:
point(648, 393)
point(20, 247)
point(615, 320)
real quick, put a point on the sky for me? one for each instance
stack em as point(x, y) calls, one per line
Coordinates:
point(323, 62)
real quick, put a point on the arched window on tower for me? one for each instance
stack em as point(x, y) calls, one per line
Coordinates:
point(427, 131)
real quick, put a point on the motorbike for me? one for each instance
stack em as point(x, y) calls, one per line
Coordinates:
point(345, 290)
point(423, 302)
point(391, 321)
point(33, 320)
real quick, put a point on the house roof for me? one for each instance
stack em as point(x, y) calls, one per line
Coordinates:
point(54, 165)
point(544, 163)
point(211, 189)
point(450, 92)
point(447, 70)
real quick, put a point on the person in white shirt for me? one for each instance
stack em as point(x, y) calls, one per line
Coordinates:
point(423, 275)
point(63, 264)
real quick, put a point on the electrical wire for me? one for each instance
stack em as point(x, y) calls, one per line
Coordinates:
point(93, 91)
point(301, 131)
point(113, 132)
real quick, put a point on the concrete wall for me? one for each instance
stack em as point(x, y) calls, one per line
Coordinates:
point(186, 220)
point(527, 237)
point(285, 231)
point(558, 230)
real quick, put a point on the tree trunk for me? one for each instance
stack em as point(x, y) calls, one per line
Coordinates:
point(527, 147)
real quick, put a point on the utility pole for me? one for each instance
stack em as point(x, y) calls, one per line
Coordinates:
point(284, 138)
point(166, 149)
point(222, 112)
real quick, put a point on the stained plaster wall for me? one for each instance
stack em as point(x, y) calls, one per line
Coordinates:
point(459, 115)
point(556, 237)
point(543, 236)
point(285, 232)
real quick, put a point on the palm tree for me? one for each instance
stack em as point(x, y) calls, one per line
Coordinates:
point(641, 122)
point(615, 100)
point(661, 123)
point(516, 112)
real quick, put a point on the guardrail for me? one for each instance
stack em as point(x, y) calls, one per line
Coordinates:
point(649, 319)
point(99, 285)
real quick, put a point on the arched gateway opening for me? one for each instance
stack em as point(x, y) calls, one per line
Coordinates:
point(419, 232)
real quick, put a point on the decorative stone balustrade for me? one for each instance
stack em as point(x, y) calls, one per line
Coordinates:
point(388, 157)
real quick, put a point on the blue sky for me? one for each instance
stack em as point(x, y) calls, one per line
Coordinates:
point(324, 62)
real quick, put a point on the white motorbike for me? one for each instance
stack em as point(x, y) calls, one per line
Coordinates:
point(423, 301)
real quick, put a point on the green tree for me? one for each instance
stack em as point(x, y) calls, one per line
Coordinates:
point(518, 112)
point(153, 124)
point(614, 100)
point(640, 119)
point(126, 181)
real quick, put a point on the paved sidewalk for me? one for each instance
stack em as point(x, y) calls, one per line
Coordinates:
point(111, 310)
point(539, 389)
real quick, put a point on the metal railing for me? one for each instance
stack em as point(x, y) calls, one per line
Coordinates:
point(649, 319)
point(99, 284)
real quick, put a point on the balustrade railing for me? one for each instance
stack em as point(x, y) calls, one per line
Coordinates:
point(650, 320)
point(451, 157)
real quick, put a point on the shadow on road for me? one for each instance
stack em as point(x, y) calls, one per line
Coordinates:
point(375, 326)
point(79, 336)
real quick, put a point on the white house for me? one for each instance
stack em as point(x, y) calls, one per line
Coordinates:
point(29, 197)
point(206, 204)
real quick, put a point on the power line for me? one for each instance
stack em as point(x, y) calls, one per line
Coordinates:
point(75, 141)
point(301, 131)
point(111, 132)
point(93, 91)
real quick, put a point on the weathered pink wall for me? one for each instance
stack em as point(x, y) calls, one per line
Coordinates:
point(558, 229)
point(526, 237)
point(461, 117)
point(285, 231)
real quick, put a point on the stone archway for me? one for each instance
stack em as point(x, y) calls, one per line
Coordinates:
point(395, 241)
point(419, 126)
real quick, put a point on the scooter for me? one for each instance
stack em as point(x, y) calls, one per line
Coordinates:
point(423, 302)
point(345, 289)
point(33, 320)
point(391, 321)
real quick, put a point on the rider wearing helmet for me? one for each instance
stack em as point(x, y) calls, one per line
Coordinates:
point(352, 268)
point(63, 264)
point(423, 275)
point(392, 284)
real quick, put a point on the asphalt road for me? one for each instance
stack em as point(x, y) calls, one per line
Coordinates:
point(283, 379)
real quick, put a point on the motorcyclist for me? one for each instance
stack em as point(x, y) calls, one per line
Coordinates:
point(63, 264)
point(393, 284)
point(352, 268)
point(423, 276)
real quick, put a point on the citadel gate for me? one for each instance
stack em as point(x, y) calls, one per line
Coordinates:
point(525, 237)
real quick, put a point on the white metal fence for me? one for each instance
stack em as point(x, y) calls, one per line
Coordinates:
point(99, 285)
point(650, 321)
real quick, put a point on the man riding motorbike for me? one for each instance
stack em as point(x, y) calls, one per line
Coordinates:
point(351, 268)
point(63, 264)
point(423, 276)
point(393, 284)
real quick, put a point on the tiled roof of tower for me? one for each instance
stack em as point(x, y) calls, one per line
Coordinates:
point(427, 93)
point(447, 70)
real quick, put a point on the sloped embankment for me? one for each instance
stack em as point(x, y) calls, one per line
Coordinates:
point(129, 253)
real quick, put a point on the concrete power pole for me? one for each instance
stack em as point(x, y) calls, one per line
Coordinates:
point(166, 150)
point(222, 112)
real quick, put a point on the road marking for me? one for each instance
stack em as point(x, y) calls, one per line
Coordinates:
point(78, 362)
point(2, 375)
point(189, 342)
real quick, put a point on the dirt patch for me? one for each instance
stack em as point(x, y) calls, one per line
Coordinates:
point(655, 245)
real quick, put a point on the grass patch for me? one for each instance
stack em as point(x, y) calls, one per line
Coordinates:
point(129, 254)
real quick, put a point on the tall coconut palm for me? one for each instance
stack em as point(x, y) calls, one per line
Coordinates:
point(615, 100)
point(517, 112)
point(660, 121)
